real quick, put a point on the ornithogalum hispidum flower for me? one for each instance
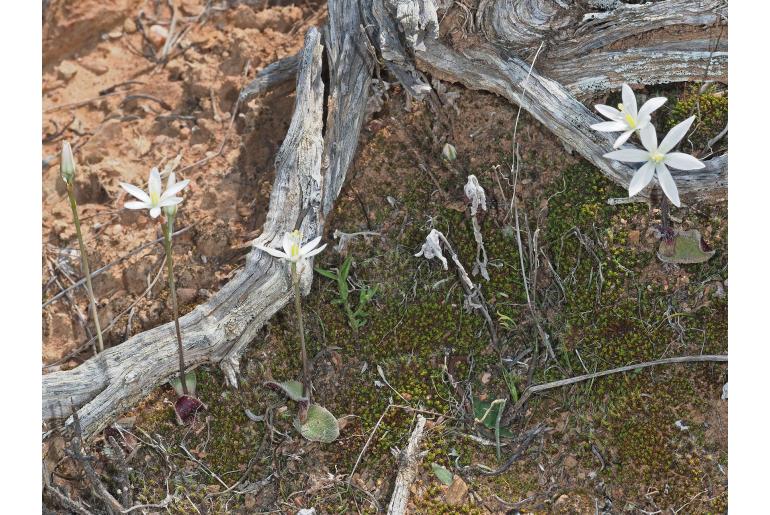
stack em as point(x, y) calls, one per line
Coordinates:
point(155, 199)
point(657, 159)
point(293, 250)
point(626, 118)
point(67, 164)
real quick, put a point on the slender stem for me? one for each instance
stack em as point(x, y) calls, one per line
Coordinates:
point(84, 265)
point(306, 390)
point(664, 215)
point(167, 230)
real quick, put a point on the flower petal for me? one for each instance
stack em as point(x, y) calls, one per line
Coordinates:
point(315, 251)
point(649, 138)
point(136, 192)
point(651, 105)
point(273, 252)
point(667, 183)
point(675, 135)
point(641, 178)
point(155, 212)
point(135, 204)
point(612, 126)
point(170, 201)
point(622, 139)
point(288, 242)
point(629, 100)
point(629, 155)
point(307, 247)
point(154, 184)
point(175, 188)
point(609, 112)
point(682, 161)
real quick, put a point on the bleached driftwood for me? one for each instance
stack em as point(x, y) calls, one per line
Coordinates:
point(588, 46)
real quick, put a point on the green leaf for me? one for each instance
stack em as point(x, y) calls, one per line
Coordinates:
point(320, 426)
point(442, 473)
point(191, 381)
point(345, 269)
point(327, 273)
point(685, 248)
point(292, 389)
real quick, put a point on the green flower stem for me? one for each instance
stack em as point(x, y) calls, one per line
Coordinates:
point(84, 266)
point(167, 230)
point(306, 390)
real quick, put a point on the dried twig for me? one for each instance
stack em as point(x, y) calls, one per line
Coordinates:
point(585, 377)
point(410, 461)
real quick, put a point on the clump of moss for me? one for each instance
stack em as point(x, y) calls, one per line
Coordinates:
point(710, 109)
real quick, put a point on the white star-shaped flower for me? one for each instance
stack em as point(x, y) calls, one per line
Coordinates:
point(155, 199)
point(657, 158)
point(293, 250)
point(626, 118)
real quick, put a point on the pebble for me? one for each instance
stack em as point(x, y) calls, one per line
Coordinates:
point(67, 70)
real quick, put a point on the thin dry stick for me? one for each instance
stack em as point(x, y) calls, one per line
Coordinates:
point(585, 377)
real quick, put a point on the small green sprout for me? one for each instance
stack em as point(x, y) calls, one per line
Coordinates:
point(357, 317)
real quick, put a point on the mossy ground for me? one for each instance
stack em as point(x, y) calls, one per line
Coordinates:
point(605, 301)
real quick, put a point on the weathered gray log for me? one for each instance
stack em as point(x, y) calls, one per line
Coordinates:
point(350, 69)
point(569, 29)
point(599, 72)
point(271, 76)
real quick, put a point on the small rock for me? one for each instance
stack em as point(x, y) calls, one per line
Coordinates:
point(129, 26)
point(115, 34)
point(97, 67)
point(67, 70)
point(457, 492)
point(570, 462)
point(486, 377)
point(157, 35)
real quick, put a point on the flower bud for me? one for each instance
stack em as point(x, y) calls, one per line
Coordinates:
point(449, 152)
point(67, 163)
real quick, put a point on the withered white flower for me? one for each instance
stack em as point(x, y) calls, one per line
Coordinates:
point(656, 158)
point(155, 199)
point(475, 194)
point(432, 248)
point(626, 118)
point(293, 250)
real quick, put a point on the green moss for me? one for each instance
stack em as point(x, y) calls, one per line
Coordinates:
point(710, 109)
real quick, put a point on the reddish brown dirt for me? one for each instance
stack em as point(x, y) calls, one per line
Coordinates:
point(124, 112)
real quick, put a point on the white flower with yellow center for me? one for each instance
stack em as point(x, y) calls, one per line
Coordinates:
point(626, 118)
point(155, 199)
point(293, 250)
point(657, 159)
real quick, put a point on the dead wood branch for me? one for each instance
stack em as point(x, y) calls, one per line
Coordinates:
point(407, 470)
point(706, 358)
